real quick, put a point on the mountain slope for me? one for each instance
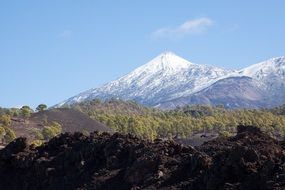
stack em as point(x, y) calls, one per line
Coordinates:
point(164, 78)
point(71, 120)
point(272, 74)
point(259, 85)
point(232, 92)
point(267, 71)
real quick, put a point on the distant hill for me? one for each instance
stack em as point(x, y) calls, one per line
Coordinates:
point(112, 107)
point(71, 120)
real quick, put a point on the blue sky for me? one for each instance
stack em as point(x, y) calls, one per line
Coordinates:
point(51, 50)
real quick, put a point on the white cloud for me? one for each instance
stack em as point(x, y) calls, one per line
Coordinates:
point(66, 34)
point(194, 26)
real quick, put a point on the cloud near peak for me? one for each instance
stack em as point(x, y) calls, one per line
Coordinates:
point(193, 26)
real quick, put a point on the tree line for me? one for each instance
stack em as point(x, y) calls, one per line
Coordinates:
point(181, 122)
point(130, 117)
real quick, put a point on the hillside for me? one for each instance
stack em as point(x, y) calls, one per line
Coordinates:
point(232, 92)
point(181, 123)
point(112, 107)
point(70, 120)
point(189, 125)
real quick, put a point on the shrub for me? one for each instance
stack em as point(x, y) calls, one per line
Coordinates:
point(5, 120)
point(26, 111)
point(37, 142)
point(41, 107)
point(225, 134)
point(51, 131)
point(10, 135)
point(38, 134)
point(2, 134)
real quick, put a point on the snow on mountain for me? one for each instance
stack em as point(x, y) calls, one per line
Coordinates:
point(270, 71)
point(232, 92)
point(272, 74)
point(259, 85)
point(165, 77)
point(169, 80)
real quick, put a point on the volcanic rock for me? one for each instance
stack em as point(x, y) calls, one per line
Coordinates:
point(249, 160)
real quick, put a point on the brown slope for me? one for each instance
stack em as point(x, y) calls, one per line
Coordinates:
point(71, 120)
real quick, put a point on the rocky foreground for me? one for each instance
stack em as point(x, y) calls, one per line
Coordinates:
point(250, 160)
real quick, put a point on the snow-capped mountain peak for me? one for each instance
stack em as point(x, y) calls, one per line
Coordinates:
point(165, 77)
point(266, 69)
point(169, 77)
point(165, 61)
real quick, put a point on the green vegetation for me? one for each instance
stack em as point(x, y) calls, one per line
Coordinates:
point(26, 111)
point(10, 135)
point(7, 135)
point(48, 132)
point(37, 142)
point(41, 107)
point(5, 120)
point(38, 135)
point(13, 112)
point(2, 134)
point(51, 131)
point(129, 117)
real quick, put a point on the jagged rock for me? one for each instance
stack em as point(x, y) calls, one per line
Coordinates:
point(14, 147)
point(249, 160)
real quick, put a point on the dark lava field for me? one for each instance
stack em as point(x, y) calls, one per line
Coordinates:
point(248, 161)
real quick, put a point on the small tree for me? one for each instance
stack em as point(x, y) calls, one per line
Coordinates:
point(26, 111)
point(51, 131)
point(10, 135)
point(5, 120)
point(15, 112)
point(37, 142)
point(57, 127)
point(38, 134)
point(2, 134)
point(41, 107)
point(225, 134)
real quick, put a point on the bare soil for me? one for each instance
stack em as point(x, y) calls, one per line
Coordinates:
point(71, 121)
